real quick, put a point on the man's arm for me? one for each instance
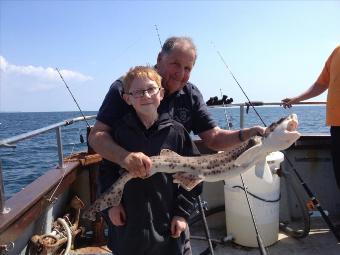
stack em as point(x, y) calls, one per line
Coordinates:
point(101, 141)
point(220, 139)
point(315, 90)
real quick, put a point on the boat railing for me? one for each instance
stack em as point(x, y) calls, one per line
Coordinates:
point(245, 107)
point(12, 141)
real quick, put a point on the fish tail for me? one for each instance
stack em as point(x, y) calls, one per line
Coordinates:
point(109, 198)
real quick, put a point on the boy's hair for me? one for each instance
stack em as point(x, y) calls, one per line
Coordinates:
point(141, 72)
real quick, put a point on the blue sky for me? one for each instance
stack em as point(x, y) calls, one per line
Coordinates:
point(275, 49)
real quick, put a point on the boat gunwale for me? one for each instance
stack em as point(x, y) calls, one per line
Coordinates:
point(29, 204)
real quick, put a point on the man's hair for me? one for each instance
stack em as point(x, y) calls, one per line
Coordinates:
point(144, 72)
point(171, 43)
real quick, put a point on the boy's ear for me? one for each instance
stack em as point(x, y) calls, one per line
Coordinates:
point(126, 99)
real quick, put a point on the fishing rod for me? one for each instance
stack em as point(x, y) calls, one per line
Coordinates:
point(260, 243)
point(304, 185)
point(245, 189)
point(258, 236)
point(244, 93)
point(88, 125)
point(210, 249)
point(314, 200)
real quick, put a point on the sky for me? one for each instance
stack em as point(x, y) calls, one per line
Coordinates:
point(275, 49)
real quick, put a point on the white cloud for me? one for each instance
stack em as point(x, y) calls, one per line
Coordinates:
point(37, 77)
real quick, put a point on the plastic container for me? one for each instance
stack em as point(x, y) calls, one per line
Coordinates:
point(265, 202)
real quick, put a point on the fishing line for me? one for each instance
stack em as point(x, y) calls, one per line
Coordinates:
point(159, 38)
point(229, 124)
point(262, 248)
point(304, 185)
point(244, 93)
point(88, 125)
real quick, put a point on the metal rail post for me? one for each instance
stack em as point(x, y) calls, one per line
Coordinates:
point(60, 147)
point(3, 209)
point(241, 116)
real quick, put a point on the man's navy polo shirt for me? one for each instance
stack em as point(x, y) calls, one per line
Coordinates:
point(185, 106)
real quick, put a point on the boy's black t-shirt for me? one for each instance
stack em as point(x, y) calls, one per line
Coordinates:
point(165, 133)
point(150, 203)
point(186, 107)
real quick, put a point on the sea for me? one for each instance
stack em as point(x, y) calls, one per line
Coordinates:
point(32, 158)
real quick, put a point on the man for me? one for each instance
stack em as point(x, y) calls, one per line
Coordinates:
point(182, 100)
point(328, 79)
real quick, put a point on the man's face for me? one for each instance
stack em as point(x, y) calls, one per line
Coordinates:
point(175, 67)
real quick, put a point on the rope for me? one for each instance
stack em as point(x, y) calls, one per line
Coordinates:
point(68, 235)
point(56, 188)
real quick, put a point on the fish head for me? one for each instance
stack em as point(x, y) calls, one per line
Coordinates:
point(281, 134)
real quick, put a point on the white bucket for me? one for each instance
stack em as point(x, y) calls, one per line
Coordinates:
point(266, 213)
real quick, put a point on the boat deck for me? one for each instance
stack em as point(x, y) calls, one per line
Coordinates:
point(319, 241)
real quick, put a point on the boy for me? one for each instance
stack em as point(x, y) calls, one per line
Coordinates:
point(153, 214)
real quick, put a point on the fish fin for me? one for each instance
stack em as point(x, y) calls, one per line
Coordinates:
point(167, 152)
point(262, 170)
point(187, 180)
point(248, 156)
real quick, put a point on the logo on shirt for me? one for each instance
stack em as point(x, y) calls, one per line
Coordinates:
point(182, 115)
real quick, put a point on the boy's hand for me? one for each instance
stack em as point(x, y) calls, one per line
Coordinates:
point(138, 164)
point(178, 225)
point(117, 215)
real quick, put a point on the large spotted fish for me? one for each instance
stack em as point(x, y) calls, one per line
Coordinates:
point(189, 171)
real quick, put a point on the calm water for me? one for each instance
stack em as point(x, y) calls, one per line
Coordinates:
point(31, 158)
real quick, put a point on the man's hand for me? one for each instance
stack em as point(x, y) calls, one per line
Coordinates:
point(138, 164)
point(117, 215)
point(257, 130)
point(178, 225)
point(287, 102)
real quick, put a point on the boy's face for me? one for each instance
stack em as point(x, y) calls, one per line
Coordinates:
point(144, 96)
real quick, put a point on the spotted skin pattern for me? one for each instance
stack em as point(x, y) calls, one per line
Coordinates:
point(190, 171)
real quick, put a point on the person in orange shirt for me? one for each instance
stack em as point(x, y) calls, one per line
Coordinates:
point(328, 79)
